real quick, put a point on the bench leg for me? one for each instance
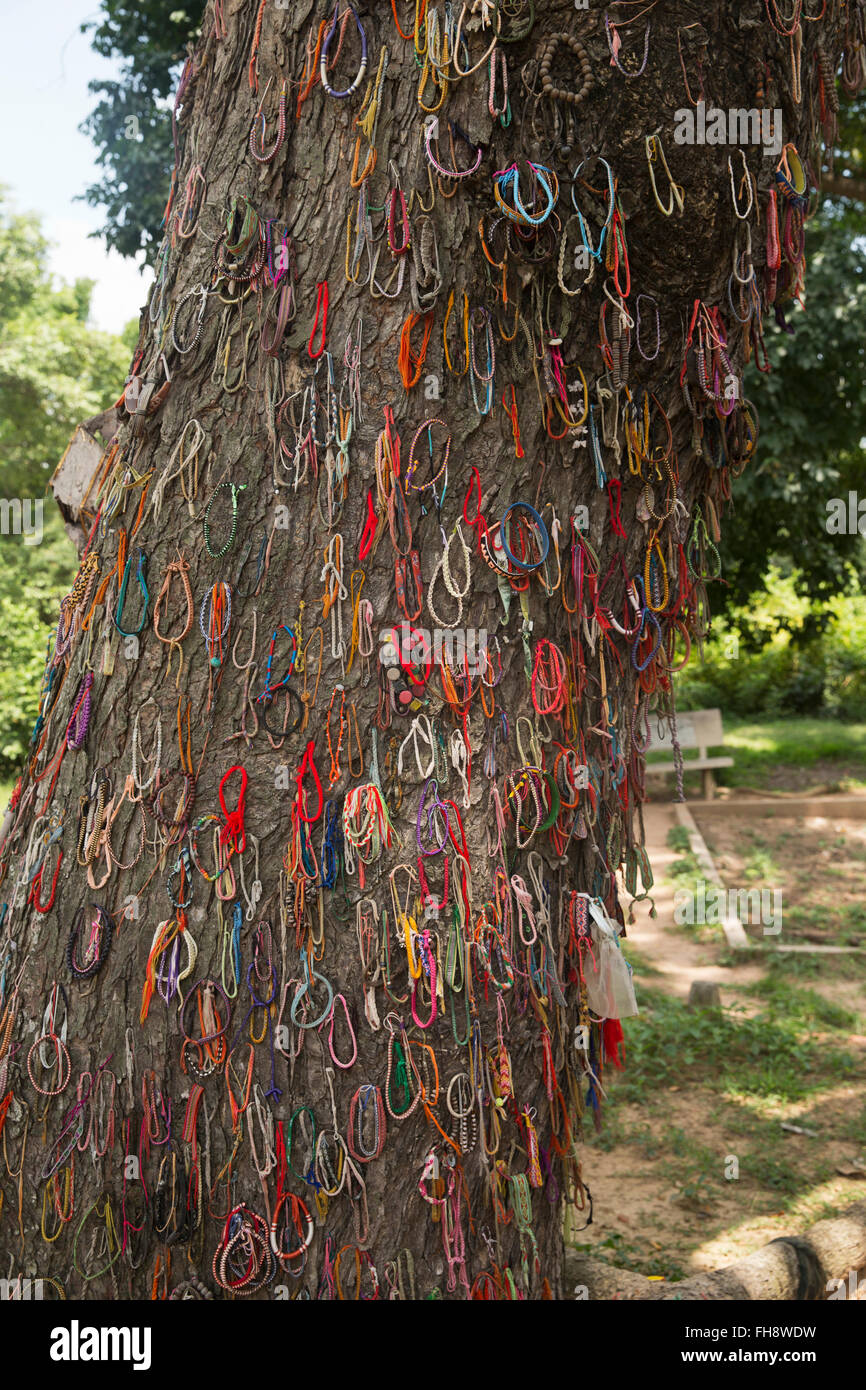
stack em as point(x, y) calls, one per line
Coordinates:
point(709, 782)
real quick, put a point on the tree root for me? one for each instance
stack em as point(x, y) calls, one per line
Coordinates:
point(791, 1268)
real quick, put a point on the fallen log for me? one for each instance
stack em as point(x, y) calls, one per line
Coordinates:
point(792, 1268)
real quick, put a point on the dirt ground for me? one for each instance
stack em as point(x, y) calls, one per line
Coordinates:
point(691, 1178)
point(649, 1216)
point(819, 864)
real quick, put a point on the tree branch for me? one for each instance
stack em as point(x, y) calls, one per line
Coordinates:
point(844, 186)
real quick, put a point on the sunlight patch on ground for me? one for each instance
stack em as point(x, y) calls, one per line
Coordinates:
point(792, 1111)
point(754, 1231)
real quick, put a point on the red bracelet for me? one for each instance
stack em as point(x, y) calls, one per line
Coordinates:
point(368, 535)
point(307, 763)
point(321, 309)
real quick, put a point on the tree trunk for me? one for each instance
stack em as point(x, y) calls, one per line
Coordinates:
point(542, 769)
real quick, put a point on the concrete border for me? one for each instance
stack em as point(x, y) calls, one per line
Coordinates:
point(735, 934)
point(795, 807)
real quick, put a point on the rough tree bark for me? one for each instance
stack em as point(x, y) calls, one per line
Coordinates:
point(150, 494)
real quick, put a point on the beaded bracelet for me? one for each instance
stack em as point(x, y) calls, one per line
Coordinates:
point(413, 461)
point(655, 151)
point(219, 620)
point(195, 192)
point(202, 292)
point(546, 62)
point(291, 698)
point(177, 822)
point(236, 488)
point(193, 845)
point(595, 252)
point(614, 42)
point(246, 1229)
point(397, 248)
point(303, 1226)
point(205, 1011)
point(260, 154)
point(61, 1057)
point(359, 1106)
point(322, 328)
point(304, 990)
point(431, 132)
point(508, 180)
point(458, 36)
point(646, 356)
point(181, 870)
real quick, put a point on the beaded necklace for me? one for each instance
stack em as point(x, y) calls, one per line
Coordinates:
point(235, 489)
point(614, 43)
point(199, 292)
point(257, 146)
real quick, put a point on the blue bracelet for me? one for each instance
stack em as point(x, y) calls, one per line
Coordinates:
point(305, 989)
point(521, 564)
point(121, 597)
point(539, 170)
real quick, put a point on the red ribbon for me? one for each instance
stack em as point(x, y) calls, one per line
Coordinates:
point(233, 831)
point(307, 763)
point(369, 533)
point(321, 310)
point(614, 498)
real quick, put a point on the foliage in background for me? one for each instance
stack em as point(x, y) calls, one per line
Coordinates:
point(812, 410)
point(32, 582)
point(55, 370)
point(783, 653)
point(131, 123)
point(850, 154)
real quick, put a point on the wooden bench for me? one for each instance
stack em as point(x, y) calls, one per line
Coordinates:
point(697, 728)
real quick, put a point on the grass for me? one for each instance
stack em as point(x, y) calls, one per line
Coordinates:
point(639, 964)
point(686, 866)
point(805, 1006)
point(685, 873)
point(758, 749)
point(771, 1054)
point(752, 1070)
point(784, 1052)
point(794, 965)
point(678, 839)
point(622, 1253)
point(760, 865)
point(844, 924)
point(799, 741)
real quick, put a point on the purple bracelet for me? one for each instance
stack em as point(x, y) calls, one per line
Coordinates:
point(440, 847)
point(323, 65)
point(76, 729)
